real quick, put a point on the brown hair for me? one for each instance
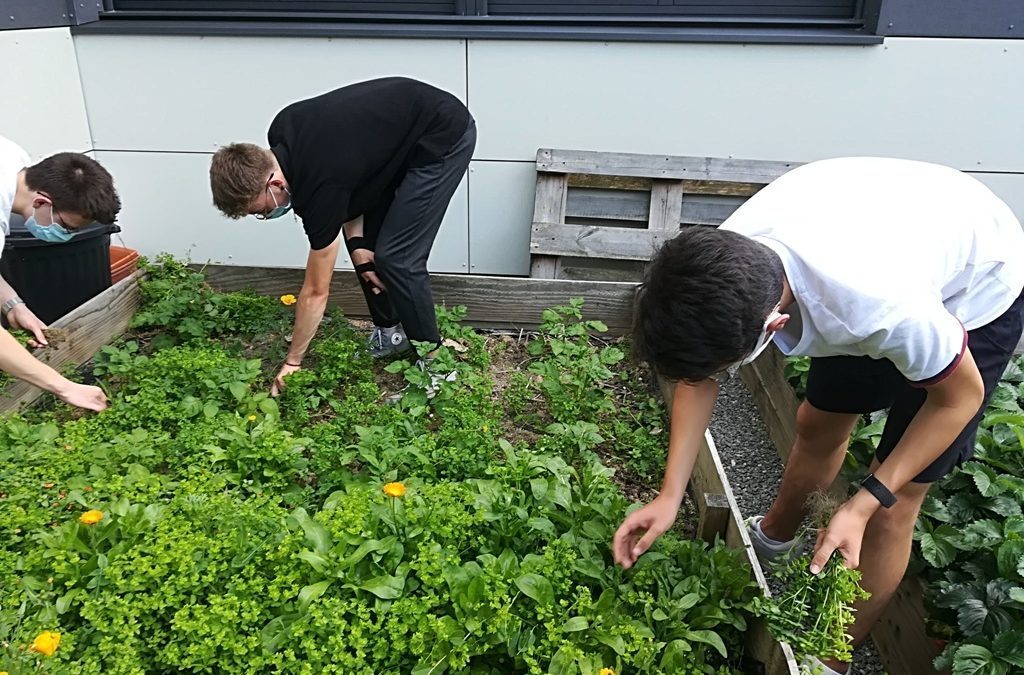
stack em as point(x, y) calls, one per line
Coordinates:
point(238, 172)
point(76, 184)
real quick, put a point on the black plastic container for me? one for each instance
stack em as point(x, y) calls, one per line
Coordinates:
point(53, 279)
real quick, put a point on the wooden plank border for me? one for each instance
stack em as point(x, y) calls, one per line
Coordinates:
point(491, 302)
point(77, 336)
point(900, 634)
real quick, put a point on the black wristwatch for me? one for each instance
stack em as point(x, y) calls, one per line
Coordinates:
point(884, 496)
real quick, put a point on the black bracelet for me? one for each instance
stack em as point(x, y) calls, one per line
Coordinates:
point(884, 496)
point(293, 365)
point(356, 243)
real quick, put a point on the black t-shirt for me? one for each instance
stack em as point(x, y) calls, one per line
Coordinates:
point(344, 153)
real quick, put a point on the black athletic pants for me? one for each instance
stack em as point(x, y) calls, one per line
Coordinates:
point(401, 241)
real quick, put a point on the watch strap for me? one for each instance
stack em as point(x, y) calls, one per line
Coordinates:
point(884, 496)
point(11, 304)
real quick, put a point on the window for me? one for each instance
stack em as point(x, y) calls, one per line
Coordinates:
point(507, 9)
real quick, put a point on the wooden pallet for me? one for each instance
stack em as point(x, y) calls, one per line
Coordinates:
point(616, 206)
point(900, 634)
point(494, 302)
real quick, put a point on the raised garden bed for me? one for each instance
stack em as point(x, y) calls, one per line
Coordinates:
point(200, 526)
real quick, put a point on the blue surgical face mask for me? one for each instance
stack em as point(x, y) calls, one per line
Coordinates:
point(278, 210)
point(54, 233)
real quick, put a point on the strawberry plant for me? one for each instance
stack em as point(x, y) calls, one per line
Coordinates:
point(970, 537)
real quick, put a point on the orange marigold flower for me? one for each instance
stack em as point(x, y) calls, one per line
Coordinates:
point(394, 489)
point(46, 643)
point(288, 299)
point(91, 517)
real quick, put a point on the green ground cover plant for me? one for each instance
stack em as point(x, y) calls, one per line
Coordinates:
point(200, 526)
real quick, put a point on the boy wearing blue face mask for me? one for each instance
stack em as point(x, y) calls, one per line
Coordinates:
point(902, 281)
point(56, 196)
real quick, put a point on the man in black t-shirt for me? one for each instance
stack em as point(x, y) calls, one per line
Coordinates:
point(376, 161)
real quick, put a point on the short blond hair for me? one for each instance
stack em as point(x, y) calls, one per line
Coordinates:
point(238, 173)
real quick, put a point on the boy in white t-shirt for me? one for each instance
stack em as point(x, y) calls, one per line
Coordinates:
point(56, 196)
point(902, 280)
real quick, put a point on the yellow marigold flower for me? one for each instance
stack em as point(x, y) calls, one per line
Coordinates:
point(91, 517)
point(486, 429)
point(606, 671)
point(46, 643)
point(288, 299)
point(394, 489)
point(252, 418)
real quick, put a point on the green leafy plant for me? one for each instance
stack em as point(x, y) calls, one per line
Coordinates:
point(814, 612)
point(971, 544)
point(327, 531)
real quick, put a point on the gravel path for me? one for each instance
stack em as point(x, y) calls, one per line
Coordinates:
point(754, 472)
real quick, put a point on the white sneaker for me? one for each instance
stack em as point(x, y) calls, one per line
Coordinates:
point(814, 666)
point(766, 548)
point(436, 378)
point(435, 383)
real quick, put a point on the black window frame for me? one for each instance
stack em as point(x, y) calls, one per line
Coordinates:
point(473, 20)
point(871, 23)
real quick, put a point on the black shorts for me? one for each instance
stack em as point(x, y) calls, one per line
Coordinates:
point(861, 384)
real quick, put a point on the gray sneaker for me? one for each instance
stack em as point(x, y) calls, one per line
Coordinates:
point(813, 666)
point(388, 342)
point(766, 548)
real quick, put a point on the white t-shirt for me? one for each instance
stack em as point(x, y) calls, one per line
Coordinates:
point(887, 258)
point(12, 160)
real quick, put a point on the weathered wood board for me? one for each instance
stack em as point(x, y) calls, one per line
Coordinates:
point(78, 335)
point(731, 170)
point(491, 302)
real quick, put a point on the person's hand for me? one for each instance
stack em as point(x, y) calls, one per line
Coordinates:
point(641, 528)
point(845, 533)
point(364, 255)
point(82, 396)
point(22, 318)
point(278, 386)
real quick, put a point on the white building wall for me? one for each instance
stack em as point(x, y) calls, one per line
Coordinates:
point(159, 106)
point(42, 109)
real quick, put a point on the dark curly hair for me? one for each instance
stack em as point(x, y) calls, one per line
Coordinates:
point(703, 302)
